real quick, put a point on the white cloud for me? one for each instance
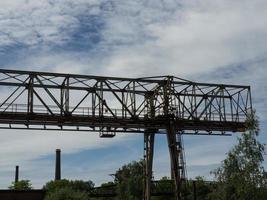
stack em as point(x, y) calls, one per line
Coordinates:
point(202, 154)
point(45, 22)
point(198, 37)
point(151, 38)
point(19, 146)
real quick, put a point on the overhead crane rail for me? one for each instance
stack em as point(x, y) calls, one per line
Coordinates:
point(81, 102)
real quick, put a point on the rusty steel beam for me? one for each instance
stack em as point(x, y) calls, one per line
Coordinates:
point(65, 100)
point(149, 138)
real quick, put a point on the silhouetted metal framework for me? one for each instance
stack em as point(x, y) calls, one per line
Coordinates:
point(162, 104)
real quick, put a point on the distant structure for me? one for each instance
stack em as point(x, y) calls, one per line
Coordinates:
point(150, 105)
point(17, 174)
point(58, 165)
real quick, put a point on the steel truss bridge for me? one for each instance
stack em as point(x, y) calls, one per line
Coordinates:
point(110, 105)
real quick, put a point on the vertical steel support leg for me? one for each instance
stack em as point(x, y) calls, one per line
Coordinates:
point(30, 95)
point(174, 157)
point(67, 95)
point(149, 138)
point(195, 190)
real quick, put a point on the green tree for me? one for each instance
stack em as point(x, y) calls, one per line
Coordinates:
point(108, 187)
point(68, 189)
point(80, 185)
point(164, 184)
point(21, 185)
point(241, 175)
point(77, 185)
point(107, 184)
point(203, 188)
point(66, 194)
point(129, 180)
point(52, 186)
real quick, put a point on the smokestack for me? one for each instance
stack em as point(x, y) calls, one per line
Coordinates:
point(17, 174)
point(58, 165)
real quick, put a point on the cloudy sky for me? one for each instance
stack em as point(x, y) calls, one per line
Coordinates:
point(220, 41)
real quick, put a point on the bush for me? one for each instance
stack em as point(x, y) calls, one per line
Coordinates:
point(68, 190)
point(66, 194)
point(21, 185)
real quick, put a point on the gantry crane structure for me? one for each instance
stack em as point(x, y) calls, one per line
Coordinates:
point(110, 105)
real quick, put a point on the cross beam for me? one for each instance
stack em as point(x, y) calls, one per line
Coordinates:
point(71, 102)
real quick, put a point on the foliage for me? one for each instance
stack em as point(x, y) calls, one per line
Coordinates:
point(107, 185)
point(129, 180)
point(203, 188)
point(80, 185)
point(52, 186)
point(252, 124)
point(21, 185)
point(163, 182)
point(242, 175)
point(77, 185)
point(68, 189)
point(66, 194)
